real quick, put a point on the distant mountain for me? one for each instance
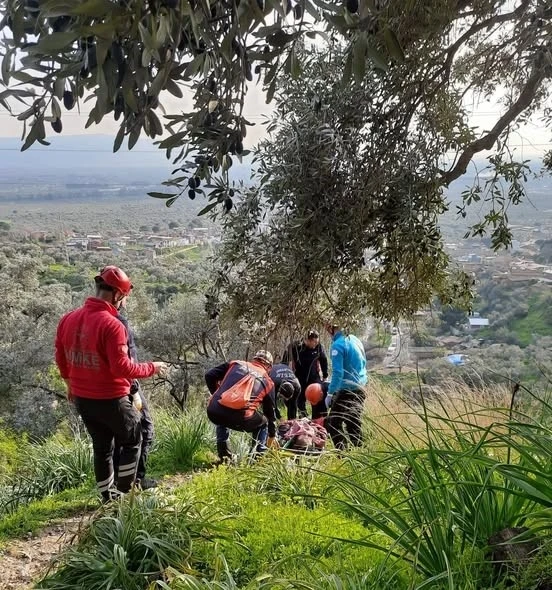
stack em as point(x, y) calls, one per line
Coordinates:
point(83, 155)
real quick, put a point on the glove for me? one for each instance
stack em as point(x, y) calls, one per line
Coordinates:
point(137, 401)
point(272, 443)
point(328, 400)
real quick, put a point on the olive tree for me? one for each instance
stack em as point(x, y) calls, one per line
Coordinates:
point(364, 144)
point(186, 334)
point(124, 55)
point(29, 313)
point(345, 216)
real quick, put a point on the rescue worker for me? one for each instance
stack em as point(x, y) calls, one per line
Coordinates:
point(346, 395)
point(309, 363)
point(92, 356)
point(316, 396)
point(238, 389)
point(287, 386)
point(146, 421)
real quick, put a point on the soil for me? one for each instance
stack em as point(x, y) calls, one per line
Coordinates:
point(26, 560)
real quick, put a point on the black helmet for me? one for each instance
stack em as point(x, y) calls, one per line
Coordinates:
point(287, 390)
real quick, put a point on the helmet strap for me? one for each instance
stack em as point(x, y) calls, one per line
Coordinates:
point(117, 298)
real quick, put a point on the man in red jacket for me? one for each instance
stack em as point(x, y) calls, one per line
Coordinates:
point(92, 356)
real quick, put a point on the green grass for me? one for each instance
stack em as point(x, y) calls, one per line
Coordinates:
point(45, 468)
point(182, 442)
point(537, 321)
point(413, 510)
point(9, 456)
point(39, 514)
point(191, 252)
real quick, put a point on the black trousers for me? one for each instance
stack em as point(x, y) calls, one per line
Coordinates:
point(344, 423)
point(227, 419)
point(146, 426)
point(291, 406)
point(302, 401)
point(319, 410)
point(107, 420)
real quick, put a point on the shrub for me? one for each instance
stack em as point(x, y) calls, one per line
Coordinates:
point(132, 543)
point(181, 440)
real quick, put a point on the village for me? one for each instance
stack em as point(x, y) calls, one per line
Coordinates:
point(136, 245)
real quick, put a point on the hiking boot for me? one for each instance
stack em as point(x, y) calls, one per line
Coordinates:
point(223, 452)
point(147, 483)
point(112, 495)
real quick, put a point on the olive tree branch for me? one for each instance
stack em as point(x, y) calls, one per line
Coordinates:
point(486, 142)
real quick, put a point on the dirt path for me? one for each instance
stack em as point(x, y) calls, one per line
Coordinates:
point(23, 561)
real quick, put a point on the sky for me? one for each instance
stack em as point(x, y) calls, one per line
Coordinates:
point(256, 111)
point(531, 141)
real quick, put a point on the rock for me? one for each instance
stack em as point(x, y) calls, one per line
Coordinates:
point(510, 558)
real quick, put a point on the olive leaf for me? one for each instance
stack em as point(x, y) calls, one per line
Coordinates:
point(54, 42)
point(157, 195)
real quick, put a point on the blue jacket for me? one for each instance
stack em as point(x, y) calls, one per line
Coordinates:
point(348, 363)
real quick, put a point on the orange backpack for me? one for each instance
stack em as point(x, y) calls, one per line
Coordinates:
point(238, 396)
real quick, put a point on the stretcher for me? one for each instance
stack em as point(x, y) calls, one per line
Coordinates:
point(302, 436)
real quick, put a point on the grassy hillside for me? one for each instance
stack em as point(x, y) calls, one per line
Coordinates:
point(416, 507)
point(538, 320)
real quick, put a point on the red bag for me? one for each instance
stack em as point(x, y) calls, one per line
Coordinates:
point(237, 397)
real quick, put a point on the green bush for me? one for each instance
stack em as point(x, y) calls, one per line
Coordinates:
point(8, 453)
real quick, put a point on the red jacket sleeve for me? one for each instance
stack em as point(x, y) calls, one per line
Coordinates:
point(117, 355)
point(61, 361)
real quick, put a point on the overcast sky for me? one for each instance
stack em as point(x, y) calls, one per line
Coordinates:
point(531, 141)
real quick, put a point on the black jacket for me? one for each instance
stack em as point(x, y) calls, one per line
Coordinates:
point(307, 362)
point(283, 374)
point(132, 351)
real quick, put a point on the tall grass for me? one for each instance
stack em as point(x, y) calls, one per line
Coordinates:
point(298, 478)
point(379, 579)
point(46, 468)
point(442, 478)
point(132, 544)
point(182, 440)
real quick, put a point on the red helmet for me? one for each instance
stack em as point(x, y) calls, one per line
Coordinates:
point(314, 393)
point(115, 278)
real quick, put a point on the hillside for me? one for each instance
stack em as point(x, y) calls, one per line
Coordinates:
point(399, 513)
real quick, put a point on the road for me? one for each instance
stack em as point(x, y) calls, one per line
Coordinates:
point(397, 352)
